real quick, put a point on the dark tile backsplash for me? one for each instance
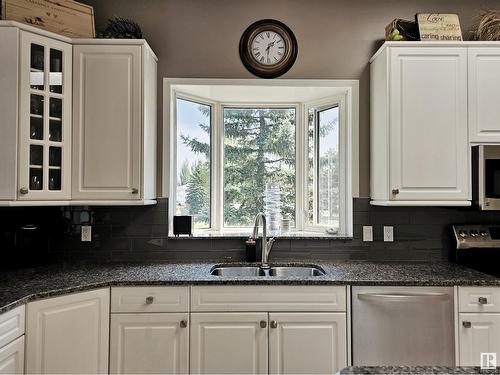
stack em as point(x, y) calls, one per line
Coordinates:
point(52, 234)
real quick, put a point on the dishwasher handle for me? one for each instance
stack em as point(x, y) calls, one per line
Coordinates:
point(404, 297)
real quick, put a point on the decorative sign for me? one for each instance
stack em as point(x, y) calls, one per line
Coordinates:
point(439, 26)
point(65, 17)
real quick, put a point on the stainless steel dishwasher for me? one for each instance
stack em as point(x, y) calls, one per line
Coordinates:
point(405, 326)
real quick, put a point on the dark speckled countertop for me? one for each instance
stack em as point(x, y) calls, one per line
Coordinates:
point(421, 370)
point(21, 286)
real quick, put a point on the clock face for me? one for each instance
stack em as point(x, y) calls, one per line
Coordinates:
point(268, 47)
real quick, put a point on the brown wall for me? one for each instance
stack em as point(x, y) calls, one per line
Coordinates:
point(199, 38)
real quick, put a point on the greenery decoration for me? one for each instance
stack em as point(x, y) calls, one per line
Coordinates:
point(121, 28)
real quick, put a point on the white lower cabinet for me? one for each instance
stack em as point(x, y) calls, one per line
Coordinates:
point(284, 343)
point(229, 343)
point(307, 343)
point(68, 334)
point(12, 357)
point(155, 343)
point(478, 333)
point(268, 329)
point(479, 324)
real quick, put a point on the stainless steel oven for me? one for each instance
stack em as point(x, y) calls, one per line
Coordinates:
point(486, 176)
point(478, 247)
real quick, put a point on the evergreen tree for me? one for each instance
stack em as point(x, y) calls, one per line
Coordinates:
point(197, 193)
point(259, 148)
point(184, 174)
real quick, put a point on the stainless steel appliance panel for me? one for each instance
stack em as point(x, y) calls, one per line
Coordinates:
point(404, 326)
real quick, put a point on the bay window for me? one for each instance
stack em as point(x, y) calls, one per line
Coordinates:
point(288, 158)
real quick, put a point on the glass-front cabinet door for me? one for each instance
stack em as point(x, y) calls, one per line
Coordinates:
point(44, 170)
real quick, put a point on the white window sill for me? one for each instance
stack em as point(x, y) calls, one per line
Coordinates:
point(246, 235)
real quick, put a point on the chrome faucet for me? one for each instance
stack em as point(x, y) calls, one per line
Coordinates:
point(266, 244)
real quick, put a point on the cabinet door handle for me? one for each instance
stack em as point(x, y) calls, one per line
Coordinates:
point(263, 324)
point(135, 191)
point(466, 324)
point(482, 300)
point(24, 190)
point(274, 324)
point(184, 323)
point(395, 191)
point(149, 300)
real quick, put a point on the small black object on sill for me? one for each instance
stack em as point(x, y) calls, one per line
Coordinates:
point(253, 250)
point(183, 225)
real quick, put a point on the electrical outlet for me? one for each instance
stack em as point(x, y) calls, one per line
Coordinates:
point(86, 233)
point(388, 234)
point(367, 233)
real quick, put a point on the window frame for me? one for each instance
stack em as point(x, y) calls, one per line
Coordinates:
point(252, 105)
point(346, 100)
point(173, 188)
point(344, 198)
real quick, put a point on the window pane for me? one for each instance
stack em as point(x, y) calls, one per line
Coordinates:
point(311, 176)
point(56, 68)
point(328, 167)
point(259, 165)
point(193, 162)
point(37, 67)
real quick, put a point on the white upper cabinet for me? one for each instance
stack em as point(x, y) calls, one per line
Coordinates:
point(419, 139)
point(108, 88)
point(484, 81)
point(35, 142)
point(114, 122)
point(44, 170)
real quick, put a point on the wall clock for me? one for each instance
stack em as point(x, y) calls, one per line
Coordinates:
point(268, 48)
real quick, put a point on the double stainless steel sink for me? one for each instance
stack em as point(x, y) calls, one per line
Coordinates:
point(273, 271)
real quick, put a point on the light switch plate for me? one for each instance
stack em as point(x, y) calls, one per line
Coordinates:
point(367, 233)
point(86, 233)
point(388, 234)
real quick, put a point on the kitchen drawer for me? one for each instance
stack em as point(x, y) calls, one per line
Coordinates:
point(149, 299)
point(11, 325)
point(478, 299)
point(268, 298)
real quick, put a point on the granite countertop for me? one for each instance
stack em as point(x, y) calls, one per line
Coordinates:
point(20, 286)
point(415, 370)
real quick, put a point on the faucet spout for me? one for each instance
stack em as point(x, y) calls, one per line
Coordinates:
point(267, 245)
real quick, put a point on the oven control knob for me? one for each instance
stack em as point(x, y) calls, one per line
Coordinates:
point(462, 234)
point(483, 233)
point(474, 233)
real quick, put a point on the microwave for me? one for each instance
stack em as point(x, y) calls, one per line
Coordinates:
point(486, 176)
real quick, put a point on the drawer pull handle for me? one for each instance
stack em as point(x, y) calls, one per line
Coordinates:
point(482, 300)
point(184, 323)
point(395, 191)
point(263, 324)
point(274, 324)
point(149, 300)
point(24, 190)
point(135, 191)
point(466, 324)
